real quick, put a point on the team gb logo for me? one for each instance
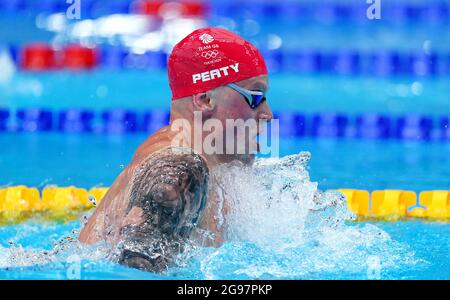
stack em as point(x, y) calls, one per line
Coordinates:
point(206, 38)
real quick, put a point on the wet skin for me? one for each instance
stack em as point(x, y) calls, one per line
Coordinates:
point(165, 193)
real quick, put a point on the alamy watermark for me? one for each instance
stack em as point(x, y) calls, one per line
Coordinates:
point(373, 12)
point(231, 137)
point(73, 11)
point(74, 269)
point(373, 267)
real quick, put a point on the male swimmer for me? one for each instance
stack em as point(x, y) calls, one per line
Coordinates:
point(165, 192)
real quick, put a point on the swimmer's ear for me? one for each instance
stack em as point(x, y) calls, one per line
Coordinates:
point(203, 102)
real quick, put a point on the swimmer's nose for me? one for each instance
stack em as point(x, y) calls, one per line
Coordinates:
point(264, 112)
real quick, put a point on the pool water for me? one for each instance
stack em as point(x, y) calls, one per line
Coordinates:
point(276, 238)
point(400, 250)
point(88, 160)
point(434, 262)
point(133, 89)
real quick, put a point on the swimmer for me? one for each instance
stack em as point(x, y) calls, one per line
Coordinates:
point(165, 192)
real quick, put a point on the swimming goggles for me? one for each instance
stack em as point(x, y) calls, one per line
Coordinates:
point(253, 98)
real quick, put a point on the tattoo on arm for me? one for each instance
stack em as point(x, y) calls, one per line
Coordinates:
point(171, 189)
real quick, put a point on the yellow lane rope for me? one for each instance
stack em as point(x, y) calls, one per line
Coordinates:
point(397, 204)
point(21, 203)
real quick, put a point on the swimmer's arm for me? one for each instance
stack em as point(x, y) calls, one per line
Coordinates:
point(169, 194)
point(94, 229)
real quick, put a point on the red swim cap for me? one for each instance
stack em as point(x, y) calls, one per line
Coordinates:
point(211, 57)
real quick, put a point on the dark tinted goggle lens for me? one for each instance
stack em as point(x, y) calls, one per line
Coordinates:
point(256, 100)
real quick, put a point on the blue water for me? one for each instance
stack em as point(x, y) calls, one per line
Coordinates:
point(88, 160)
point(241, 260)
point(102, 89)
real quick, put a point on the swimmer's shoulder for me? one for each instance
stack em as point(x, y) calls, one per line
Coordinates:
point(172, 158)
point(158, 141)
point(168, 174)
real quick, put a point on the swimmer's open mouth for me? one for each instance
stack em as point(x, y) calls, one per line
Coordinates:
point(256, 143)
point(261, 129)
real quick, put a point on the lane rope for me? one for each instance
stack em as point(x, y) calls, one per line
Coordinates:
point(63, 204)
point(42, 57)
point(291, 123)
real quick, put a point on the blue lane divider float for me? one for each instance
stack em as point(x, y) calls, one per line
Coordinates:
point(119, 121)
point(382, 62)
point(113, 57)
point(35, 119)
point(292, 124)
point(347, 62)
point(329, 125)
point(303, 61)
point(385, 63)
point(423, 64)
point(75, 120)
point(373, 126)
point(444, 125)
point(4, 115)
point(414, 127)
point(155, 119)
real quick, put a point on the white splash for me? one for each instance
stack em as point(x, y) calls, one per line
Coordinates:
point(274, 203)
point(63, 249)
point(280, 225)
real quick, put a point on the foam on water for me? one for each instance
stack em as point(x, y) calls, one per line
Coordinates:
point(63, 250)
point(278, 225)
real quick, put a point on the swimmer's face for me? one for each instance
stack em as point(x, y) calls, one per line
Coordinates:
point(231, 105)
